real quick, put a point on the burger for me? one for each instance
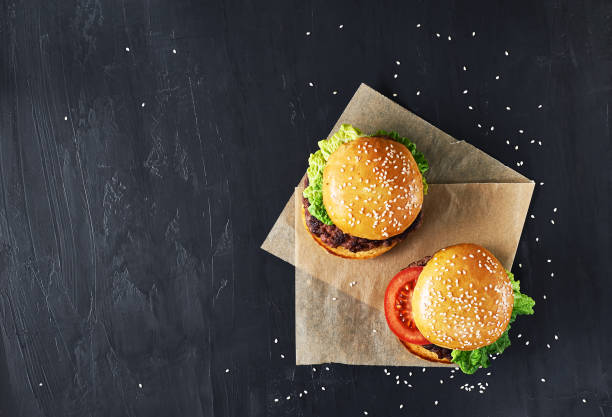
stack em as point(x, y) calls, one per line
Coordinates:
point(455, 306)
point(363, 194)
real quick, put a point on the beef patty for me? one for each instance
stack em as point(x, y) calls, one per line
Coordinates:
point(332, 236)
point(441, 352)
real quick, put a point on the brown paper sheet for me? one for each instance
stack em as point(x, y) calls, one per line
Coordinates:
point(472, 198)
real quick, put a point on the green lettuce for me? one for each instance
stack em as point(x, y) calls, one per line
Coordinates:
point(470, 360)
point(318, 160)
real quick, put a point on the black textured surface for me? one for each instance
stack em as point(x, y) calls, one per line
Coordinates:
point(136, 187)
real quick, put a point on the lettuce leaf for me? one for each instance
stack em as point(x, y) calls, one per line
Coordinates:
point(470, 360)
point(318, 160)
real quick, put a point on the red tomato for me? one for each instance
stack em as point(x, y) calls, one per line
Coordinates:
point(398, 306)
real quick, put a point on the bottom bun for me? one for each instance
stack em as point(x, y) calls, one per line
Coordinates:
point(344, 252)
point(423, 353)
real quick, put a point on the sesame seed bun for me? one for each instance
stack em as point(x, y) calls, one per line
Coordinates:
point(423, 353)
point(345, 253)
point(463, 298)
point(372, 188)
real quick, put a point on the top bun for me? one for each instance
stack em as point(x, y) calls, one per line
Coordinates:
point(463, 298)
point(372, 188)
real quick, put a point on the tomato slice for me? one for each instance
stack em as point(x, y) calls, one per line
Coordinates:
point(398, 306)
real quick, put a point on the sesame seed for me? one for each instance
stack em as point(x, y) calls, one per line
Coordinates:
point(470, 107)
point(227, 370)
point(418, 25)
point(552, 221)
point(527, 343)
point(548, 260)
point(307, 33)
point(311, 84)
point(334, 298)
point(584, 400)
point(275, 340)
point(127, 49)
point(314, 369)
point(340, 27)
point(365, 413)
point(401, 406)
point(322, 388)
point(539, 106)
point(543, 379)
point(449, 37)
point(142, 104)
point(464, 68)
point(276, 400)
point(556, 337)
point(288, 397)
point(65, 117)
point(508, 108)
point(548, 346)
point(436, 402)
point(394, 94)
point(282, 356)
point(465, 91)
point(437, 35)
point(497, 77)
point(174, 51)
point(473, 34)
point(506, 53)
point(397, 63)
point(394, 75)
point(418, 93)
point(334, 92)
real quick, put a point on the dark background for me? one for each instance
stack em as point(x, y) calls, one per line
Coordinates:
point(136, 187)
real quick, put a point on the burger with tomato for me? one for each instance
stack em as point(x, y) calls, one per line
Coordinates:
point(363, 193)
point(455, 306)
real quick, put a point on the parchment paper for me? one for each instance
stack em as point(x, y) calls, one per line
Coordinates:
point(472, 198)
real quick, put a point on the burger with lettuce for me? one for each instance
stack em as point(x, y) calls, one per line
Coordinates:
point(456, 306)
point(363, 193)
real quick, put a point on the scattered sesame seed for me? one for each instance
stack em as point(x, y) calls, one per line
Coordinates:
point(552, 221)
point(584, 400)
point(394, 94)
point(479, 125)
point(314, 369)
point(418, 93)
point(541, 183)
point(497, 77)
point(127, 49)
point(65, 117)
point(532, 216)
point(441, 381)
point(465, 91)
point(418, 25)
point(275, 340)
point(437, 35)
point(139, 385)
point(464, 68)
point(488, 373)
point(397, 63)
point(282, 356)
point(539, 106)
point(334, 92)
point(449, 37)
point(548, 346)
point(555, 210)
point(543, 379)
point(322, 388)
point(334, 298)
point(340, 27)
point(537, 239)
point(552, 274)
point(508, 108)
point(373, 330)
point(470, 107)
point(544, 296)
point(142, 104)
point(519, 335)
point(401, 406)
point(365, 413)
point(40, 384)
point(288, 397)
point(506, 53)
point(436, 402)
point(492, 128)
point(311, 84)
point(424, 369)
point(174, 51)
point(556, 337)
point(327, 368)
point(307, 33)
point(394, 75)
point(276, 400)
point(516, 148)
point(548, 260)
point(507, 142)
point(473, 34)
point(227, 370)
point(527, 343)
point(300, 395)
point(521, 131)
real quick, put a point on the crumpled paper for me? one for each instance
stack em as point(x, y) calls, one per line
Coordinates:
point(338, 302)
